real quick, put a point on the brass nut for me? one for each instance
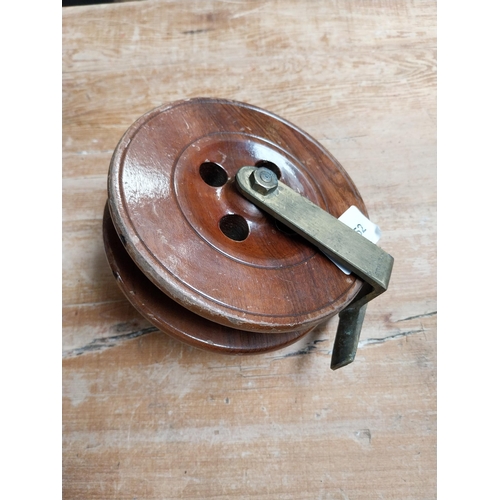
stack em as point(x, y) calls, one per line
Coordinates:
point(263, 180)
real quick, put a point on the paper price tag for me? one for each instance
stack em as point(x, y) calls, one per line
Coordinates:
point(353, 218)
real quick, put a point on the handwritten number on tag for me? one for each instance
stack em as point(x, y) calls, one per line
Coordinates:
point(359, 229)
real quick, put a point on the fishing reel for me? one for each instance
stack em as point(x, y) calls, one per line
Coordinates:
point(232, 230)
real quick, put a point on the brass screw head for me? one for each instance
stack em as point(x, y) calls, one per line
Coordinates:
point(263, 180)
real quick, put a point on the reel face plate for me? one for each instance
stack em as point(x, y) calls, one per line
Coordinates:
point(175, 206)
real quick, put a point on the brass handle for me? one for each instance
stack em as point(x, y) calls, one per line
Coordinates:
point(336, 240)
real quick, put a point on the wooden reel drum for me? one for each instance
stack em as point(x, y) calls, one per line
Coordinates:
point(195, 257)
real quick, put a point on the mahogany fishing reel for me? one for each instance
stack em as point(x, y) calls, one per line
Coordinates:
point(222, 229)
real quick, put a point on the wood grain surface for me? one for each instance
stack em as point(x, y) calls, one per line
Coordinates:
point(145, 416)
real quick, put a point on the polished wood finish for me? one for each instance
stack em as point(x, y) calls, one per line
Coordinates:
point(172, 219)
point(148, 417)
point(174, 319)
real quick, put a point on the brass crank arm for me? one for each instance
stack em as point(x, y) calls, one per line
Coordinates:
point(336, 240)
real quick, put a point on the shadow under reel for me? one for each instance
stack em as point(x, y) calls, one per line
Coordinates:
point(221, 226)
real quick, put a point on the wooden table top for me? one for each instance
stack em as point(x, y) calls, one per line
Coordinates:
point(145, 416)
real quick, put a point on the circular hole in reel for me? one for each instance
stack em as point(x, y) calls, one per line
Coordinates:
point(213, 174)
point(235, 227)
